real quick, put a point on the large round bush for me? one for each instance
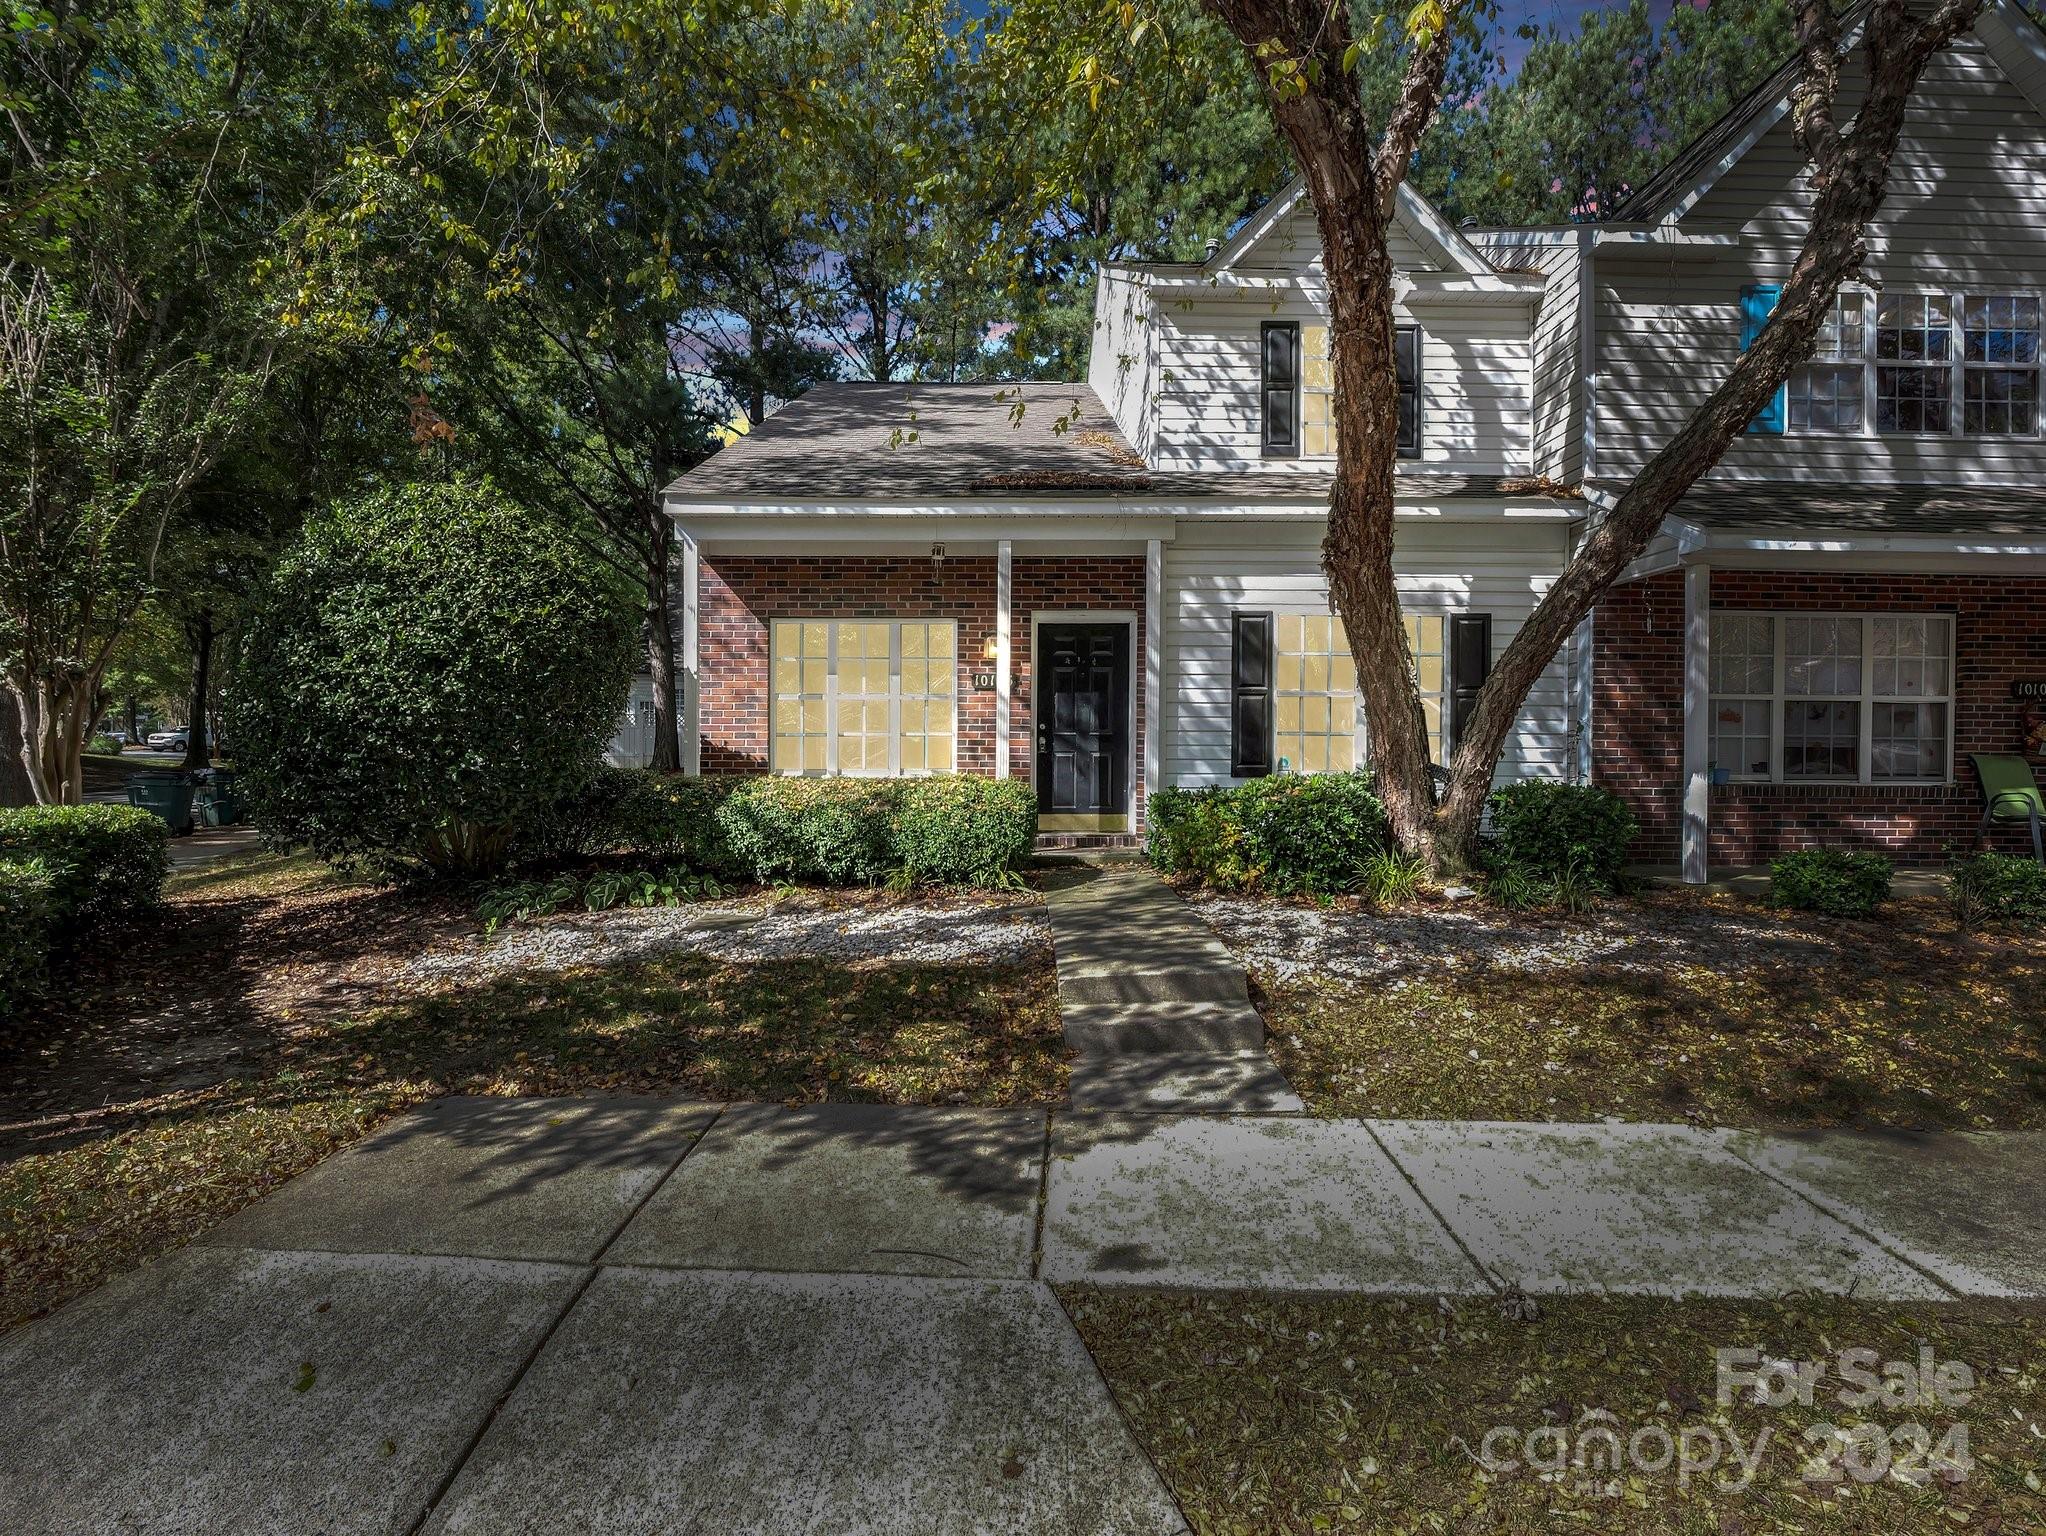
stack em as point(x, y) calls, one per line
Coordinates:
point(430, 669)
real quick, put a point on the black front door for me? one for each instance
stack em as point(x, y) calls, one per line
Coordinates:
point(1083, 718)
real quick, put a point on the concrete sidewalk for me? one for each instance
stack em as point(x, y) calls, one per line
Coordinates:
point(642, 1315)
point(1157, 1011)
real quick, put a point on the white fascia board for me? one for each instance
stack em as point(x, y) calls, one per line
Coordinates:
point(1666, 241)
point(1423, 221)
point(1258, 225)
point(1766, 544)
point(1766, 117)
point(2017, 44)
point(1484, 288)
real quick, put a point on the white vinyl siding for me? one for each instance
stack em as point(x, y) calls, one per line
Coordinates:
point(1214, 569)
point(1476, 367)
point(1965, 215)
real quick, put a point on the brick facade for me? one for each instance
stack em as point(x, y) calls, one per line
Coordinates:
point(1638, 714)
point(740, 595)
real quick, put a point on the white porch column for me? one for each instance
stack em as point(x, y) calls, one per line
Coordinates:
point(692, 719)
point(1697, 720)
point(1003, 667)
point(1154, 666)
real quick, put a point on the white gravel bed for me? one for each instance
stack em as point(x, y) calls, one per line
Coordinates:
point(1294, 942)
point(914, 932)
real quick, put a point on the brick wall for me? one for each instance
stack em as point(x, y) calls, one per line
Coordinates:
point(740, 595)
point(1638, 714)
point(1111, 582)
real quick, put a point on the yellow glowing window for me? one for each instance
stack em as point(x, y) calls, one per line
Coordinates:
point(863, 696)
point(1314, 702)
point(1426, 635)
point(930, 673)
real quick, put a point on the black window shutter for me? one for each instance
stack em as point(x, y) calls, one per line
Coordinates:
point(1280, 381)
point(1250, 696)
point(1407, 355)
point(1470, 663)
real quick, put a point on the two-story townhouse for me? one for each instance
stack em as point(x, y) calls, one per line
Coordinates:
point(1108, 587)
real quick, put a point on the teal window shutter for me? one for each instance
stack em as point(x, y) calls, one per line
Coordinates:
point(1757, 300)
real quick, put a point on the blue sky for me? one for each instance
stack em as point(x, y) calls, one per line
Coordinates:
point(1543, 13)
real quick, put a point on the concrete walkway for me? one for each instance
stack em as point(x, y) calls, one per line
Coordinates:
point(1157, 1009)
point(641, 1315)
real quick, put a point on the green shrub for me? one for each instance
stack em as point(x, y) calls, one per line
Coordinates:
point(944, 830)
point(27, 892)
point(1285, 833)
point(1830, 880)
point(964, 830)
point(832, 830)
point(1996, 887)
point(653, 816)
point(103, 861)
point(106, 746)
point(1548, 830)
point(430, 671)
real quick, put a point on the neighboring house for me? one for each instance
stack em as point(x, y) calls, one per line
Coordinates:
point(1110, 587)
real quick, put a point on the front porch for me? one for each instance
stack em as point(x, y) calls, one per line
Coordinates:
point(1758, 691)
point(1026, 649)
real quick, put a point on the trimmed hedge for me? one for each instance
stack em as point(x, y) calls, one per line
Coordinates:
point(1545, 831)
point(1830, 880)
point(950, 830)
point(1285, 833)
point(103, 861)
point(430, 669)
point(27, 891)
point(1998, 886)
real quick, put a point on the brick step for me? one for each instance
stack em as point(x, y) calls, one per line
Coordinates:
point(1071, 842)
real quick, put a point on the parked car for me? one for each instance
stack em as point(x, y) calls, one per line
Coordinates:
point(170, 741)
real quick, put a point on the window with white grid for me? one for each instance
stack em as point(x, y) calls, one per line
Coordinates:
point(1743, 693)
point(1827, 697)
point(1826, 394)
point(2000, 366)
point(864, 696)
point(1315, 698)
point(1914, 362)
point(1427, 640)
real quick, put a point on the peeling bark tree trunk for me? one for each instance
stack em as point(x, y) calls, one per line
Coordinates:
point(1353, 171)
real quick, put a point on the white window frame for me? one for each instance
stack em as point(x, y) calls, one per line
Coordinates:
point(1957, 300)
point(831, 769)
point(1868, 698)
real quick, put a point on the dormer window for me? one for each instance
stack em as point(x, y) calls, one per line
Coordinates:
point(1299, 418)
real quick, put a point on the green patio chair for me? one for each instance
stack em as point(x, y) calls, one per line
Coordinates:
point(2012, 794)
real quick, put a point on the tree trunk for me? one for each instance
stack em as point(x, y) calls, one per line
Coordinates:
point(14, 784)
point(199, 631)
point(1353, 174)
point(660, 643)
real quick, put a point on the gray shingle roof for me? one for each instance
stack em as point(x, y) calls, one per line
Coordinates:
point(964, 442)
point(1908, 509)
point(917, 442)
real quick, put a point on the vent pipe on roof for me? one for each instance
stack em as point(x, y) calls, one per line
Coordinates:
point(1214, 245)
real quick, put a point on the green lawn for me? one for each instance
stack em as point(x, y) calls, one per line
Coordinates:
point(118, 1167)
point(1270, 1416)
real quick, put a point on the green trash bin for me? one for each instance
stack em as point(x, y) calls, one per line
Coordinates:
point(166, 793)
point(216, 801)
